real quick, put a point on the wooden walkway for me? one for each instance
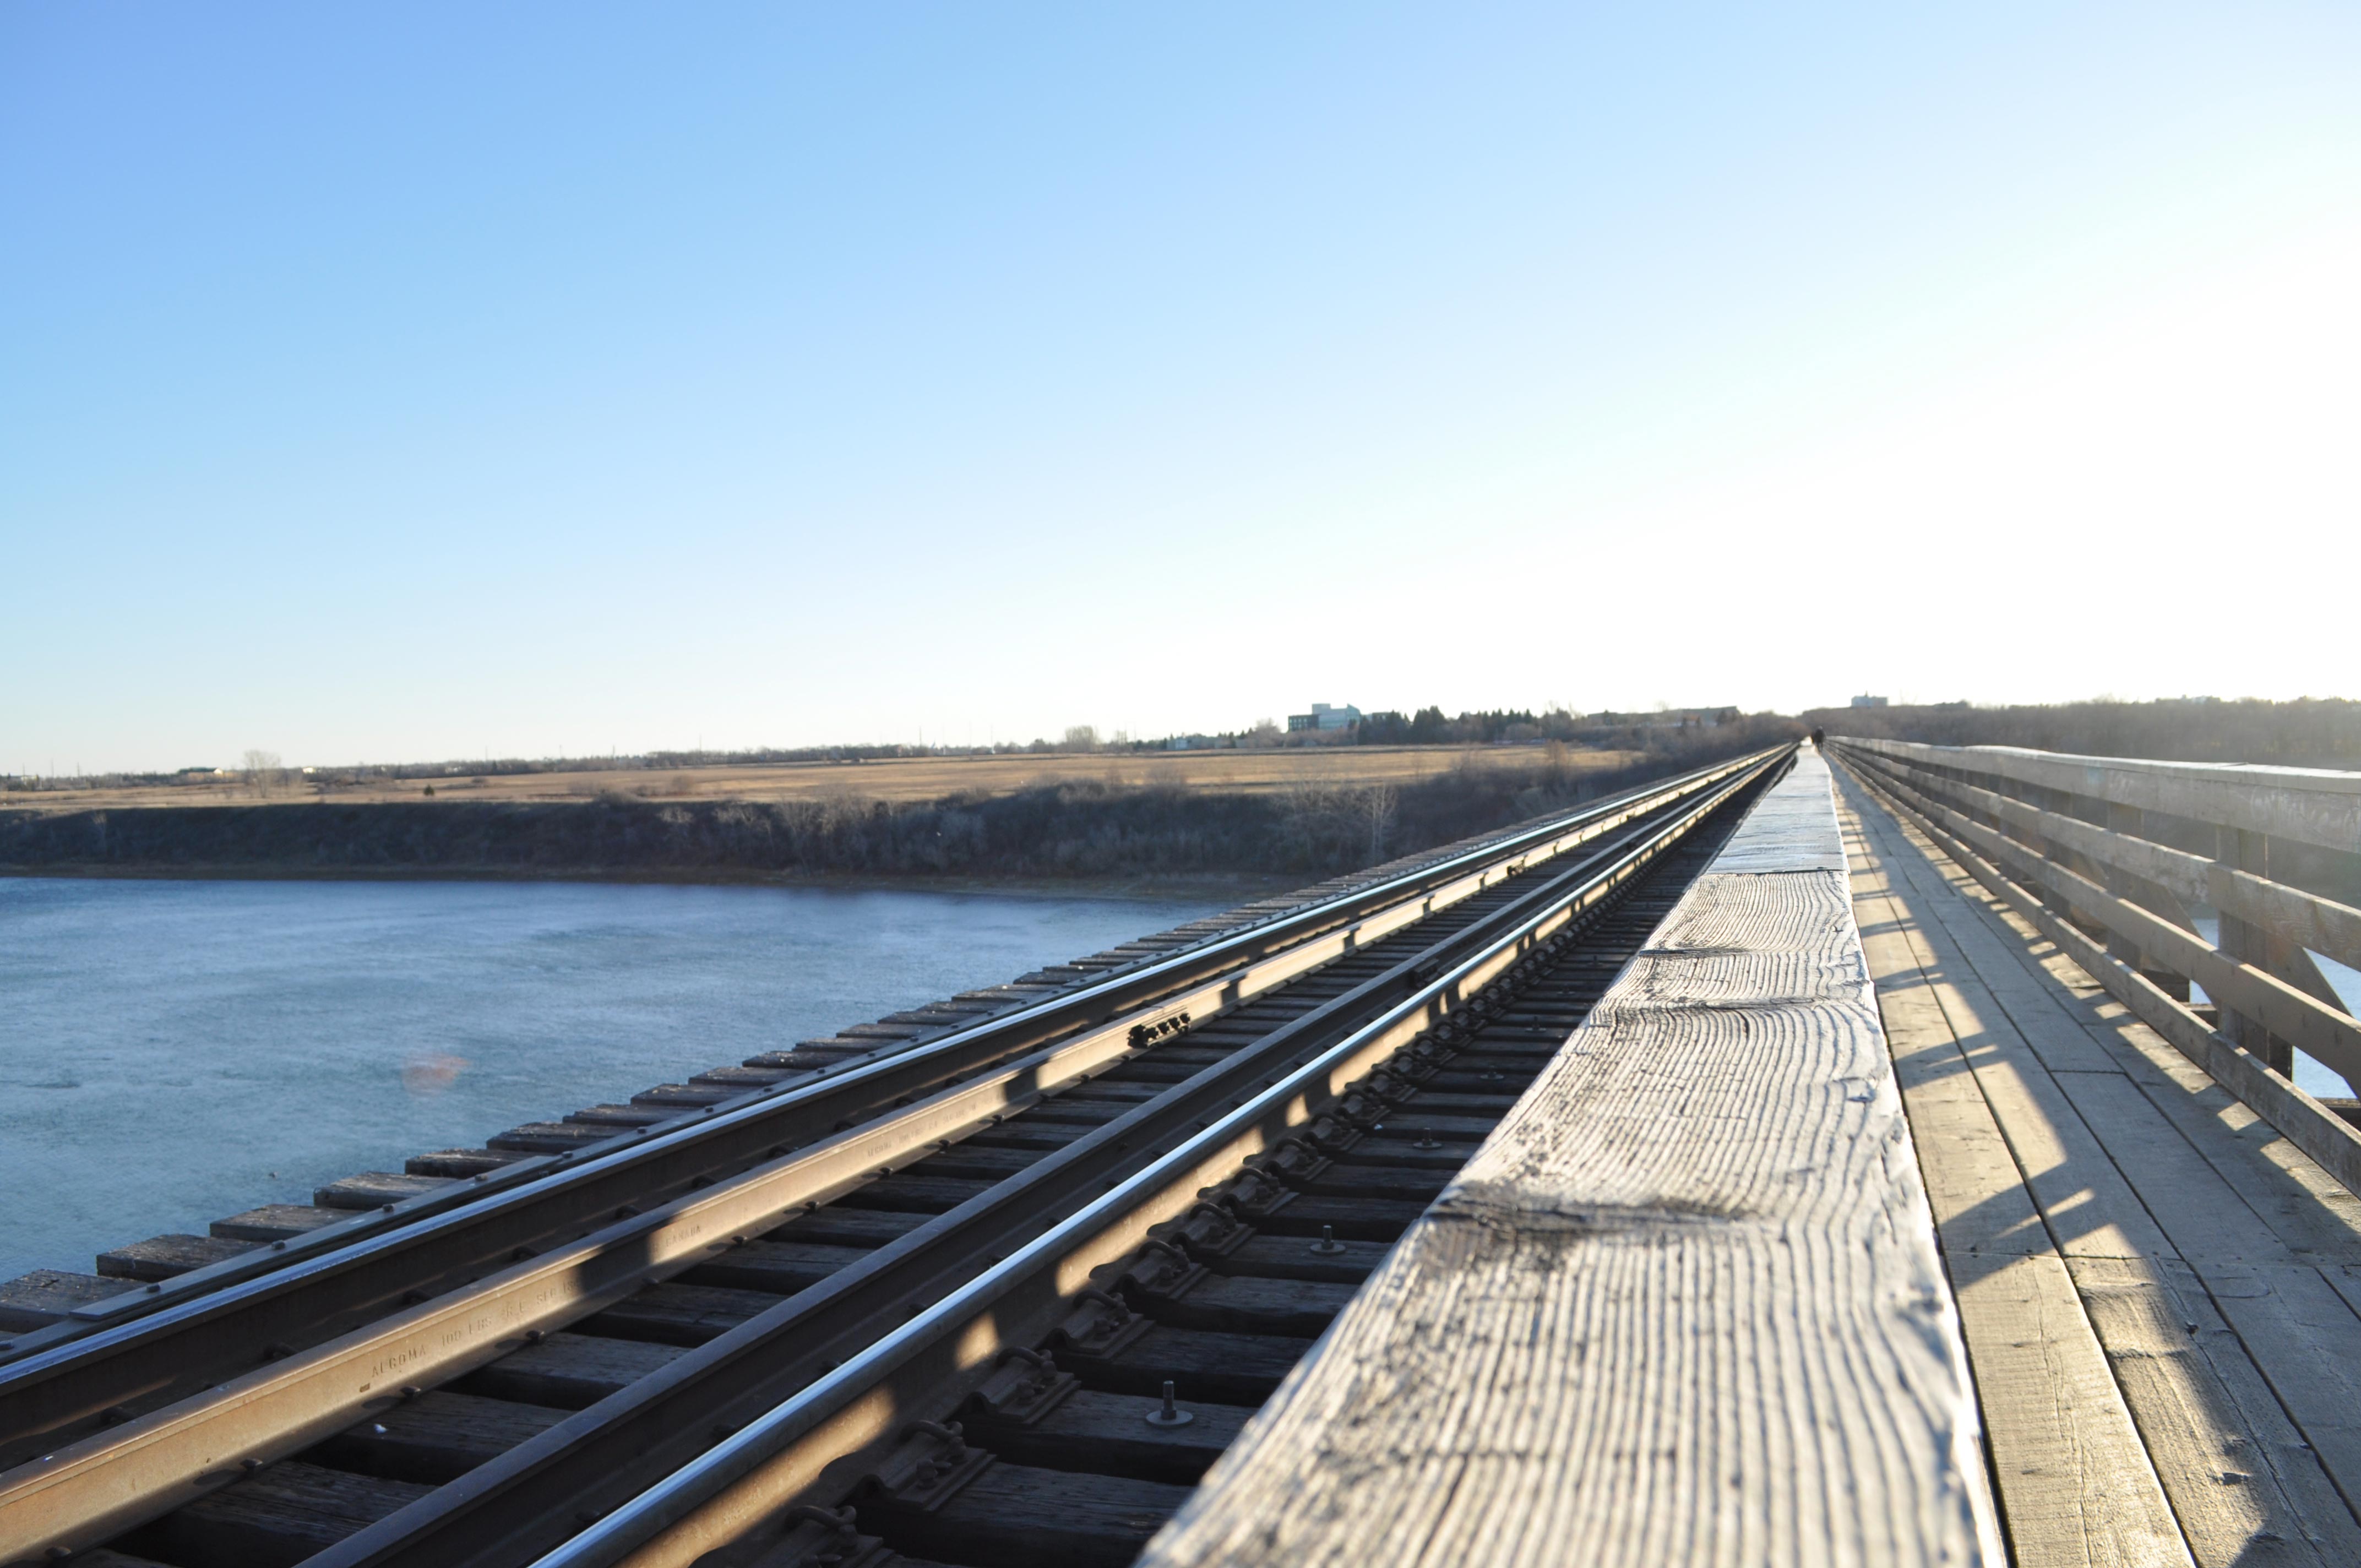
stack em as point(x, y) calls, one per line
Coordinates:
point(2159, 1290)
point(1685, 1306)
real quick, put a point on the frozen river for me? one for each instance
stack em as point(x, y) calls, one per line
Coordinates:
point(172, 1052)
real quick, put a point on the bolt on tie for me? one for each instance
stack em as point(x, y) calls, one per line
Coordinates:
point(1327, 1245)
point(1171, 1415)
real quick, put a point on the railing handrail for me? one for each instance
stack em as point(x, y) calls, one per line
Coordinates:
point(2313, 805)
point(2113, 901)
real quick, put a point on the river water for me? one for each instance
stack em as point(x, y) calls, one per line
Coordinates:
point(172, 1052)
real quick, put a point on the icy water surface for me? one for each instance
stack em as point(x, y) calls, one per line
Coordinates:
point(2312, 1077)
point(172, 1052)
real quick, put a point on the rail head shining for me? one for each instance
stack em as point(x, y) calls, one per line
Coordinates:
point(749, 1476)
point(316, 1392)
point(226, 1286)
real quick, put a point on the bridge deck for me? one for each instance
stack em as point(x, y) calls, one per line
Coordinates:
point(1685, 1306)
point(2158, 1291)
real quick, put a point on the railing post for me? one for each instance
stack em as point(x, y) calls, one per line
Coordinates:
point(2131, 821)
point(2065, 804)
point(2250, 851)
point(2266, 950)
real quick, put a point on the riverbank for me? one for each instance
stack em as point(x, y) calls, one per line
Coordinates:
point(1222, 889)
point(1250, 771)
point(1074, 836)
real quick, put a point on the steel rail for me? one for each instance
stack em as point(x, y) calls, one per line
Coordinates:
point(824, 1435)
point(69, 1390)
point(280, 1255)
point(91, 1490)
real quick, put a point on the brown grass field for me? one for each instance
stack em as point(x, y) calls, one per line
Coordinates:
point(1254, 771)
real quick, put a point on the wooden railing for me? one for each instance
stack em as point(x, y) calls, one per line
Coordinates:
point(2118, 861)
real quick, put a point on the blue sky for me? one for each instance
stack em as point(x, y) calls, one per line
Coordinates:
point(444, 380)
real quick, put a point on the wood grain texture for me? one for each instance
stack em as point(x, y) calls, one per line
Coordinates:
point(2157, 1198)
point(2315, 805)
point(2289, 914)
point(2076, 1482)
point(2311, 1126)
point(2285, 1008)
point(1683, 1307)
point(47, 1295)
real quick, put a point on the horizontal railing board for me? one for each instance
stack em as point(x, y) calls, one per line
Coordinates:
point(2306, 919)
point(1688, 1281)
point(2328, 1139)
point(2313, 805)
point(2052, 1128)
point(2311, 1025)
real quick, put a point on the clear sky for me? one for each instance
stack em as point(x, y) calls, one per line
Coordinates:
point(419, 380)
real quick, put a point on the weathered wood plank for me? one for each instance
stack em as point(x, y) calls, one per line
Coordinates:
point(1683, 1307)
point(1013, 1513)
point(2185, 1418)
point(161, 1257)
point(2322, 1030)
point(675, 1313)
point(2041, 991)
point(2076, 1484)
point(2155, 1186)
point(1109, 1432)
point(375, 1189)
point(438, 1437)
point(2316, 1130)
point(1241, 1304)
point(2291, 915)
point(37, 1300)
point(281, 1514)
point(2314, 806)
point(2246, 1486)
point(568, 1371)
point(2074, 1477)
point(459, 1162)
point(276, 1222)
point(1228, 1368)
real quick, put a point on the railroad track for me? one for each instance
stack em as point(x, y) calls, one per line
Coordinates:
point(479, 1384)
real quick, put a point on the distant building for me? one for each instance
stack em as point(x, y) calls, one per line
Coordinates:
point(1869, 702)
point(1324, 717)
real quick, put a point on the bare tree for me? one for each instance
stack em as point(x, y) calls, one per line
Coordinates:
point(1081, 738)
point(263, 770)
point(1378, 803)
point(1331, 824)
